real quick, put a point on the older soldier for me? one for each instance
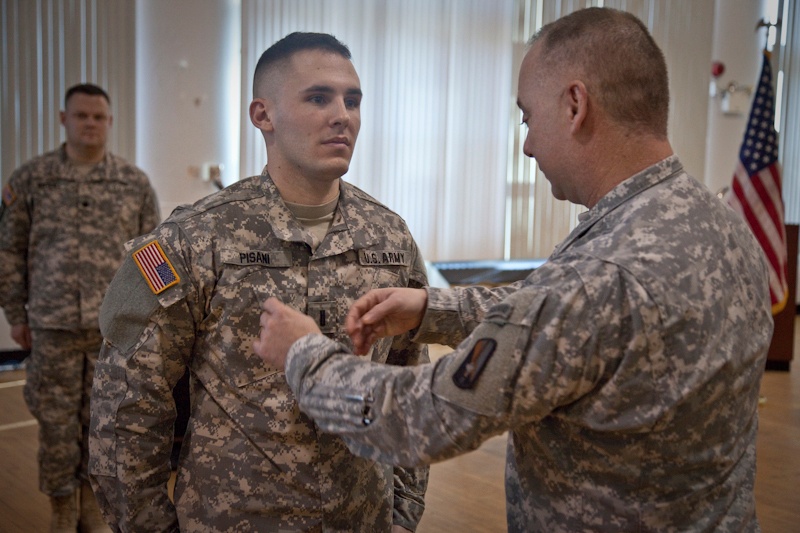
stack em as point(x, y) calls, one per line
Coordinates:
point(188, 296)
point(626, 369)
point(64, 219)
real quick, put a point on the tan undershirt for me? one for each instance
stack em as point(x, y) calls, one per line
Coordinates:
point(316, 219)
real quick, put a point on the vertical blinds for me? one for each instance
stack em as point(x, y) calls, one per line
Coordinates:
point(440, 141)
point(535, 221)
point(436, 76)
point(48, 46)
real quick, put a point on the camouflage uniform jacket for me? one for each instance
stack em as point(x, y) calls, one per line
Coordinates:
point(626, 369)
point(62, 237)
point(250, 460)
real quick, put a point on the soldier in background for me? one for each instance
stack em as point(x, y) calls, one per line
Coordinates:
point(188, 295)
point(63, 222)
point(626, 369)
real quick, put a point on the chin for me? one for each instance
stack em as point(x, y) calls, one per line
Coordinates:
point(337, 169)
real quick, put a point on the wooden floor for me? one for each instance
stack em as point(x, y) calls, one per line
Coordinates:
point(465, 494)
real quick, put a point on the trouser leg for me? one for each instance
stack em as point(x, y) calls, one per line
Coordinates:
point(92, 342)
point(54, 392)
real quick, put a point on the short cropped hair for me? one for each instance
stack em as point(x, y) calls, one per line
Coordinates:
point(85, 88)
point(284, 49)
point(623, 66)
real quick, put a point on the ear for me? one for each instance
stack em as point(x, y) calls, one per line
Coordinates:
point(260, 114)
point(62, 115)
point(578, 105)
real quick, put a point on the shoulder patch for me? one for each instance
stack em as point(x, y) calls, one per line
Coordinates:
point(155, 267)
point(8, 195)
point(480, 376)
point(471, 368)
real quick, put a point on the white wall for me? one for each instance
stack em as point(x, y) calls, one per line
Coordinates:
point(738, 45)
point(187, 86)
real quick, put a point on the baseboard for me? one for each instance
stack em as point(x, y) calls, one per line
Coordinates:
point(12, 359)
point(780, 366)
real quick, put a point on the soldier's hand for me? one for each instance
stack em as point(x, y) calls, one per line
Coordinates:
point(281, 326)
point(21, 334)
point(384, 313)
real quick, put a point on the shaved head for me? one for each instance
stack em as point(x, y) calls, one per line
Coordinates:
point(618, 60)
point(275, 59)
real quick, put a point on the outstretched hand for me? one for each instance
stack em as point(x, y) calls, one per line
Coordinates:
point(384, 313)
point(281, 326)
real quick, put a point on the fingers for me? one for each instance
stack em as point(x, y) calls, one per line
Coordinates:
point(363, 341)
point(364, 321)
point(272, 305)
point(281, 326)
point(363, 305)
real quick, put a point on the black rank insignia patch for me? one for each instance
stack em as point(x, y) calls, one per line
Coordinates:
point(470, 370)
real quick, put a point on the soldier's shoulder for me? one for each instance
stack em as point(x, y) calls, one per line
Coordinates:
point(377, 208)
point(221, 203)
point(36, 166)
point(129, 171)
point(363, 196)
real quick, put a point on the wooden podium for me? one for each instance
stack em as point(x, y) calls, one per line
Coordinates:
point(781, 350)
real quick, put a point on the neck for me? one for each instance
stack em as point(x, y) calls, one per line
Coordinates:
point(304, 190)
point(79, 154)
point(621, 159)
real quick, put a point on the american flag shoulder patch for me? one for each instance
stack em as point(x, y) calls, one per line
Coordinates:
point(8, 195)
point(155, 267)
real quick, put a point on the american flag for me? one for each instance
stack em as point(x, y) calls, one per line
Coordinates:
point(756, 189)
point(155, 267)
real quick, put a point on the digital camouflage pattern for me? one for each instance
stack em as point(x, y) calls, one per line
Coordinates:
point(62, 237)
point(626, 368)
point(57, 390)
point(250, 460)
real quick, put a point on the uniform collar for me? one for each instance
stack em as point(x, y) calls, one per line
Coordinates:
point(633, 186)
point(349, 229)
point(103, 166)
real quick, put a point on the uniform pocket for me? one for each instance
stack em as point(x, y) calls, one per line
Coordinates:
point(233, 323)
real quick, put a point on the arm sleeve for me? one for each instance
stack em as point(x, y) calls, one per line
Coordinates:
point(147, 343)
point(527, 357)
point(15, 227)
point(452, 314)
point(410, 484)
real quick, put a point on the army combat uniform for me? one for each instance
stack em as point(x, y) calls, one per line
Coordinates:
point(62, 234)
point(626, 369)
point(189, 295)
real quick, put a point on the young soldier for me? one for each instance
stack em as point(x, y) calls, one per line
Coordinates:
point(188, 296)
